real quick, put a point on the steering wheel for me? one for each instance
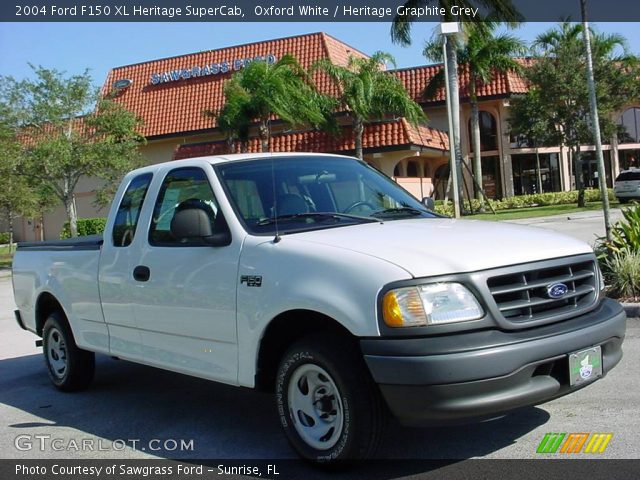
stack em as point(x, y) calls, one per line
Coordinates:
point(359, 203)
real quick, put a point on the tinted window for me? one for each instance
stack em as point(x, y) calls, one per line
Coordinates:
point(124, 226)
point(298, 190)
point(182, 187)
point(626, 176)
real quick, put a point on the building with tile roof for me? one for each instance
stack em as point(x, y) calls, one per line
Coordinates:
point(172, 96)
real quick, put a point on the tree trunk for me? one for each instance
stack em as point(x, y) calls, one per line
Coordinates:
point(10, 218)
point(72, 215)
point(538, 173)
point(577, 165)
point(231, 144)
point(264, 135)
point(593, 104)
point(477, 155)
point(358, 130)
point(454, 139)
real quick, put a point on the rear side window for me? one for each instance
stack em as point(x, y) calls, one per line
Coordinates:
point(627, 176)
point(182, 187)
point(124, 227)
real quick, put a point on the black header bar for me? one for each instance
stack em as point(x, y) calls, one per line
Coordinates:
point(300, 11)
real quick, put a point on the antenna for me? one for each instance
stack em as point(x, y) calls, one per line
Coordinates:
point(277, 238)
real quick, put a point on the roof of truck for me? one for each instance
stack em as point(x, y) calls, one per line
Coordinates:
point(218, 159)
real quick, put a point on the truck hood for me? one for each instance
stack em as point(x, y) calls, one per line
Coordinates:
point(428, 247)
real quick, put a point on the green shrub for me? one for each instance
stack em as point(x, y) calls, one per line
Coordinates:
point(524, 201)
point(4, 237)
point(620, 258)
point(623, 274)
point(86, 226)
point(625, 234)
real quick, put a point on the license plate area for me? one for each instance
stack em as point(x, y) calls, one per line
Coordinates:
point(585, 366)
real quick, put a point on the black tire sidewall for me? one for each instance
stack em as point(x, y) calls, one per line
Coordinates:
point(346, 448)
point(80, 363)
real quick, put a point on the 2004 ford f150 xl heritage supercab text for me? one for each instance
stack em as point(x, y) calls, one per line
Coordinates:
point(319, 278)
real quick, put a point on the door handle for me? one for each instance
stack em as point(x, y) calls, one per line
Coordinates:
point(141, 273)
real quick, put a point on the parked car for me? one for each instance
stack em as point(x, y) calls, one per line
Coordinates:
point(627, 185)
point(320, 279)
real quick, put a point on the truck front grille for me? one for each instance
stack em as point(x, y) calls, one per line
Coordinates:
point(523, 296)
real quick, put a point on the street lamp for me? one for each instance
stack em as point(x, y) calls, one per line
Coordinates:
point(447, 29)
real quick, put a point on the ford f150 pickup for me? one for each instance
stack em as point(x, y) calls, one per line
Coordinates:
point(320, 279)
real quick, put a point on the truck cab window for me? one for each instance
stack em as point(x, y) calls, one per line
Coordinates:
point(182, 188)
point(124, 226)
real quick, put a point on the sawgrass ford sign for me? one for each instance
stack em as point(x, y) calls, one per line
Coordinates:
point(207, 70)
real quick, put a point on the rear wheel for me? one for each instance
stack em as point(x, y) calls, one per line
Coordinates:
point(329, 407)
point(623, 200)
point(70, 368)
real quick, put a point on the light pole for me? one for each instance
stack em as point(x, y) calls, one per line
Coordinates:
point(453, 109)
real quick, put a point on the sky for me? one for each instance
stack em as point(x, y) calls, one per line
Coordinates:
point(74, 47)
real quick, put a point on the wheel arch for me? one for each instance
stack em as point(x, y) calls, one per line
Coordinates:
point(282, 331)
point(47, 304)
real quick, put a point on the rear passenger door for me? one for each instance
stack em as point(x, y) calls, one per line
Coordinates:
point(185, 303)
point(119, 251)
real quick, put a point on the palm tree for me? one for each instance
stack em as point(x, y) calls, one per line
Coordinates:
point(234, 119)
point(501, 10)
point(370, 93)
point(484, 55)
point(260, 90)
point(561, 69)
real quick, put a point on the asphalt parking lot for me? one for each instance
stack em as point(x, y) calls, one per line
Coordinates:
point(160, 411)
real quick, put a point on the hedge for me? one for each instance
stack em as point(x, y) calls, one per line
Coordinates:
point(86, 226)
point(533, 200)
point(4, 237)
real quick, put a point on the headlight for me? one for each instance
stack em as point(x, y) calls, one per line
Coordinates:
point(432, 304)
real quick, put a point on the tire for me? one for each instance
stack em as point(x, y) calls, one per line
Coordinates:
point(70, 368)
point(323, 380)
point(623, 200)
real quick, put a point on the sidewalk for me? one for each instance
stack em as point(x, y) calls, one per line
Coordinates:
point(616, 214)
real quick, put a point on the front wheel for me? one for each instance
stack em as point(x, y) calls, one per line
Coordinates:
point(329, 407)
point(70, 368)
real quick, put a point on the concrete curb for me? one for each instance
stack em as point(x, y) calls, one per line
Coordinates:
point(631, 309)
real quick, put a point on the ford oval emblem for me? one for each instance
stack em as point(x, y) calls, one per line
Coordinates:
point(557, 290)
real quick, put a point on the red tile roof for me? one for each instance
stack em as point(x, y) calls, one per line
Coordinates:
point(417, 78)
point(378, 135)
point(178, 106)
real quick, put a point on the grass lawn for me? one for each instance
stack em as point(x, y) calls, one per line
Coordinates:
point(5, 257)
point(531, 212)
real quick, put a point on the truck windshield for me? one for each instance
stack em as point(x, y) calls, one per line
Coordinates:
point(306, 193)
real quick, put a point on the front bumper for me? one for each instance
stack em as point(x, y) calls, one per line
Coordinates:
point(476, 375)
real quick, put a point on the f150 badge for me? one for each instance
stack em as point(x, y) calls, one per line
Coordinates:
point(251, 280)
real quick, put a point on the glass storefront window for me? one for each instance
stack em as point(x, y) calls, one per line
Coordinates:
point(590, 168)
point(491, 183)
point(530, 177)
point(488, 132)
point(630, 126)
point(629, 159)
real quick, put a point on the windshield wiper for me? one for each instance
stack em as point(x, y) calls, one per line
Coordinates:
point(398, 211)
point(318, 216)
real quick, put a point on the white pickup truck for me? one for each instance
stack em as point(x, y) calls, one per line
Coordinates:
point(319, 278)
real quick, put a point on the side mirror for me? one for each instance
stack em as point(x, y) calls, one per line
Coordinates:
point(429, 203)
point(194, 224)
